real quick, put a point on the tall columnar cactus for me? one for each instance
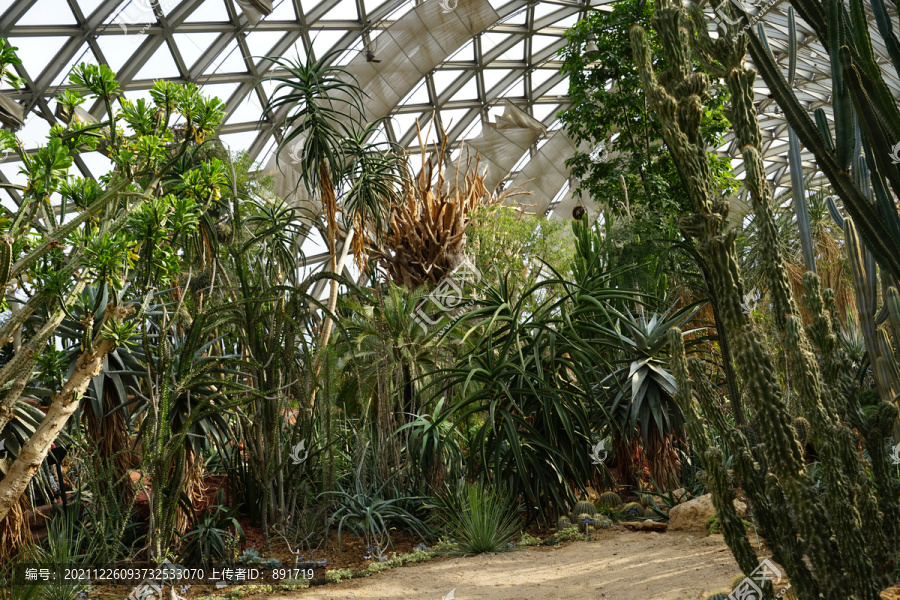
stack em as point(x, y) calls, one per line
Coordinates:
point(842, 545)
point(866, 116)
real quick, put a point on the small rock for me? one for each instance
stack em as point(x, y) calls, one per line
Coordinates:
point(693, 514)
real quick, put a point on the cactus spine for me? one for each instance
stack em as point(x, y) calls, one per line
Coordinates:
point(843, 545)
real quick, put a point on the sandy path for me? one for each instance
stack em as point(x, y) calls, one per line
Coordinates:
point(622, 565)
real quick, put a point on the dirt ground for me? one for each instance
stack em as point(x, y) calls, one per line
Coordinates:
point(622, 565)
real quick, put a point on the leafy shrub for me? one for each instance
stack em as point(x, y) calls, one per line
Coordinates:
point(250, 556)
point(208, 540)
point(568, 534)
point(369, 514)
point(336, 575)
point(445, 546)
point(477, 519)
point(528, 540)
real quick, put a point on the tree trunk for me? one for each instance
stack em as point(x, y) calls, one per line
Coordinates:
point(336, 268)
point(63, 404)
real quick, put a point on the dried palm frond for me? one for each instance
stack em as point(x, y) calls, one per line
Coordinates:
point(426, 233)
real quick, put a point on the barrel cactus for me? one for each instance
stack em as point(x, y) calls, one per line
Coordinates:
point(647, 500)
point(605, 523)
point(633, 509)
point(650, 512)
point(581, 508)
point(610, 500)
point(563, 523)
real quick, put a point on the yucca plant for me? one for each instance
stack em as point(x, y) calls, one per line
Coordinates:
point(478, 518)
point(206, 542)
point(426, 236)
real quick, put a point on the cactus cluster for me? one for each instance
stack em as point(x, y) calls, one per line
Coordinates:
point(844, 543)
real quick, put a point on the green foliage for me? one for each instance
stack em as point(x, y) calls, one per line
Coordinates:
point(206, 542)
point(570, 534)
point(478, 518)
point(528, 540)
point(368, 513)
point(336, 575)
point(501, 239)
point(608, 112)
point(642, 388)
point(8, 58)
point(531, 378)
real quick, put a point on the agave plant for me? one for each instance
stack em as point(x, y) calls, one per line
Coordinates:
point(641, 389)
point(367, 511)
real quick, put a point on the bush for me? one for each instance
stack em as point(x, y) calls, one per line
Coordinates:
point(528, 540)
point(477, 519)
point(568, 534)
point(208, 541)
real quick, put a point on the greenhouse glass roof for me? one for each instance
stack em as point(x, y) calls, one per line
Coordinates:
point(487, 70)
